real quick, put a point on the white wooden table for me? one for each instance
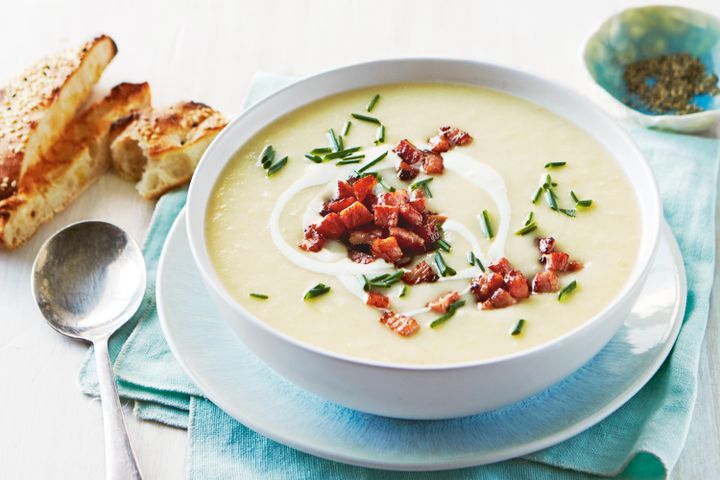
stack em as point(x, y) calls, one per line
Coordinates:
point(209, 51)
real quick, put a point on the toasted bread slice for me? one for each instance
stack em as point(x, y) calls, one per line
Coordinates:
point(36, 106)
point(75, 161)
point(162, 148)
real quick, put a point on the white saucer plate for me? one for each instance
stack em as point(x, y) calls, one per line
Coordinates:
point(232, 377)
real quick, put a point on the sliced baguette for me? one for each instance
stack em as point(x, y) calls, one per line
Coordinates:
point(75, 161)
point(160, 149)
point(37, 105)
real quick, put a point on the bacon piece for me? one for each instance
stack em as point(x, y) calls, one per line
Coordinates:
point(408, 152)
point(355, 215)
point(456, 136)
point(441, 304)
point(575, 266)
point(433, 163)
point(500, 299)
point(358, 256)
point(313, 241)
point(345, 190)
point(417, 200)
point(430, 232)
point(546, 245)
point(387, 249)
point(409, 241)
point(363, 186)
point(555, 261)
point(331, 226)
point(386, 215)
point(337, 205)
point(517, 284)
point(439, 143)
point(485, 285)
point(435, 218)
point(421, 273)
point(377, 300)
point(398, 197)
point(546, 282)
point(410, 216)
point(371, 200)
point(364, 235)
point(406, 172)
point(501, 266)
point(400, 324)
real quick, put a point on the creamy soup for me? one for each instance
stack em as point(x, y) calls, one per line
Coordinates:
point(256, 221)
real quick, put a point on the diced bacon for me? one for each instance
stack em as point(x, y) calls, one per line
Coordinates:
point(386, 215)
point(410, 216)
point(370, 201)
point(364, 235)
point(417, 200)
point(345, 190)
point(421, 273)
point(433, 163)
point(408, 152)
point(555, 261)
point(331, 227)
point(501, 266)
point(545, 282)
point(338, 205)
point(500, 299)
point(485, 285)
point(387, 249)
point(441, 304)
point(313, 241)
point(377, 300)
point(358, 256)
point(406, 172)
point(400, 324)
point(409, 241)
point(363, 186)
point(435, 218)
point(439, 143)
point(456, 136)
point(546, 245)
point(355, 215)
point(575, 266)
point(430, 232)
point(398, 197)
point(517, 284)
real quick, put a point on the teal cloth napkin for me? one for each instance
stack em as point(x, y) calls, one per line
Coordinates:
point(643, 439)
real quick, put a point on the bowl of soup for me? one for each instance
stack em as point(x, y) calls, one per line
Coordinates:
point(424, 238)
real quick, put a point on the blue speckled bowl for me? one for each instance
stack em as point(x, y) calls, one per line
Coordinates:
point(640, 33)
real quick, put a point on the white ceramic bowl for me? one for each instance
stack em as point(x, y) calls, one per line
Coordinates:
point(437, 391)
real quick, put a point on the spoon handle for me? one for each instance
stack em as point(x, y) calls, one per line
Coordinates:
point(120, 460)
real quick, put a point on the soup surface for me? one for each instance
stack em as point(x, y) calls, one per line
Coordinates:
point(256, 221)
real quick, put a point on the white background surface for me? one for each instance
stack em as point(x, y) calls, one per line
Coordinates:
point(209, 51)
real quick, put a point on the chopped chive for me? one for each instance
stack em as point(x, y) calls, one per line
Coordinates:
point(261, 296)
point(450, 312)
point(527, 229)
point(372, 103)
point(346, 128)
point(471, 257)
point(570, 212)
point(518, 328)
point(480, 265)
point(341, 153)
point(403, 291)
point(424, 185)
point(536, 195)
point(313, 158)
point(275, 167)
point(444, 269)
point(574, 197)
point(550, 198)
point(334, 141)
point(385, 280)
point(444, 246)
point(380, 135)
point(380, 180)
point(320, 150)
point(555, 164)
point(365, 118)
point(578, 202)
point(316, 291)
point(567, 289)
point(486, 225)
point(350, 160)
point(373, 162)
point(529, 218)
point(549, 181)
point(267, 156)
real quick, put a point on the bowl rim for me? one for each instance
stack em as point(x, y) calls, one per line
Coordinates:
point(210, 279)
point(654, 120)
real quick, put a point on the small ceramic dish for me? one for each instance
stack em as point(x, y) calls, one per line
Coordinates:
point(646, 32)
point(439, 390)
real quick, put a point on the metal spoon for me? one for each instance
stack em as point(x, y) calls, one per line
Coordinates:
point(88, 280)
